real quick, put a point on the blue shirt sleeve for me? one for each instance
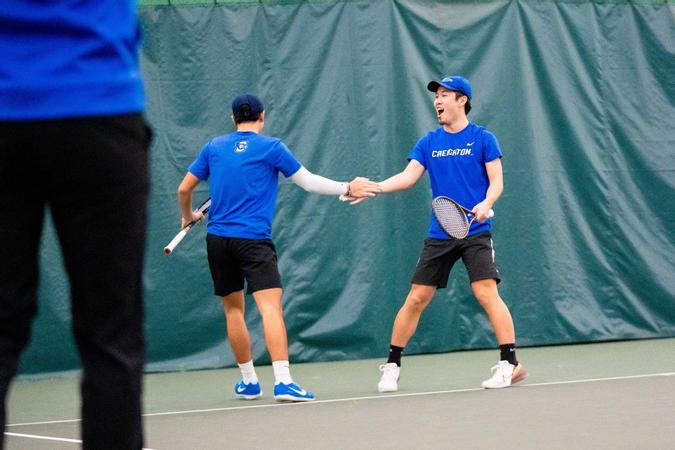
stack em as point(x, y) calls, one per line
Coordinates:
point(284, 161)
point(491, 150)
point(200, 166)
point(418, 152)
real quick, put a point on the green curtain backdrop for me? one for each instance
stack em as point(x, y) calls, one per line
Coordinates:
point(580, 94)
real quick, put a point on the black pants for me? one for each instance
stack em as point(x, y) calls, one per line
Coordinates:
point(93, 175)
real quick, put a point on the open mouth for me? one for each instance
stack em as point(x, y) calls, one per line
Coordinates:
point(439, 112)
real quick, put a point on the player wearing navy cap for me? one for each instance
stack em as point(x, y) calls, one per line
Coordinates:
point(243, 168)
point(464, 163)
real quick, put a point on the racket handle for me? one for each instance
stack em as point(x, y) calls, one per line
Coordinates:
point(491, 213)
point(175, 241)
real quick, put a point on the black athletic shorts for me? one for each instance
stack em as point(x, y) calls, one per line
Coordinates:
point(439, 255)
point(233, 260)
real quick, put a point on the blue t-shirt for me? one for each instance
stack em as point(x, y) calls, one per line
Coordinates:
point(69, 58)
point(456, 166)
point(243, 172)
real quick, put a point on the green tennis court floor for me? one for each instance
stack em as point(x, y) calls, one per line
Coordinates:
point(616, 395)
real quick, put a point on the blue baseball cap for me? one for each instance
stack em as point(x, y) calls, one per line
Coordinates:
point(246, 106)
point(454, 83)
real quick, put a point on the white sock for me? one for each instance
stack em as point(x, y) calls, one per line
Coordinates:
point(282, 372)
point(248, 373)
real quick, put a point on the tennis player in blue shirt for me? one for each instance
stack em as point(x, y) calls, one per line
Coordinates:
point(464, 163)
point(243, 169)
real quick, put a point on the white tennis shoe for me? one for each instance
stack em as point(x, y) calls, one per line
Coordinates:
point(504, 375)
point(390, 376)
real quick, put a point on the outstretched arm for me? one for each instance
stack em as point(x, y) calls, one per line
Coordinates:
point(399, 182)
point(358, 187)
point(185, 200)
point(403, 180)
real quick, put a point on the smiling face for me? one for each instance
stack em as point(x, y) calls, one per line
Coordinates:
point(449, 106)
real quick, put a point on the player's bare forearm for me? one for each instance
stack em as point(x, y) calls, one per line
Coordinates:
point(403, 180)
point(185, 190)
point(496, 178)
point(399, 182)
point(493, 194)
point(185, 203)
point(494, 191)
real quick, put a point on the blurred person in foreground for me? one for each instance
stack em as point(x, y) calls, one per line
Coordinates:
point(73, 139)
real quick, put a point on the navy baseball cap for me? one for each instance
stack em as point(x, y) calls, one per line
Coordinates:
point(454, 83)
point(246, 106)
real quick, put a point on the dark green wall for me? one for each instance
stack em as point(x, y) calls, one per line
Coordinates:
point(581, 96)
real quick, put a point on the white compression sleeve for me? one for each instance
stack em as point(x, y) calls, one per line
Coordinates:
point(318, 184)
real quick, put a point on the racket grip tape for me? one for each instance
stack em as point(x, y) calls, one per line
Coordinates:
point(175, 241)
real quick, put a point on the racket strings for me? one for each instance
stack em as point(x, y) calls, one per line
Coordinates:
point(451, 218)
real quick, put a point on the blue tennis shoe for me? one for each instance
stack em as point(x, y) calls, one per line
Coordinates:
point(291, 393)
point(249, 391)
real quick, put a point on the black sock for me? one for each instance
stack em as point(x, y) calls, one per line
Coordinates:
point(395, 355)
point(508, 353)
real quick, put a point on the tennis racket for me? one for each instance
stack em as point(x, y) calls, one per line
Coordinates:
point(453, 217)
point(204, 208)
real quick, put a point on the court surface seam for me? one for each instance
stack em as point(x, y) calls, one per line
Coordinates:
point(369, 397)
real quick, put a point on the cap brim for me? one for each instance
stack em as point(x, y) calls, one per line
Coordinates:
point(433, 86)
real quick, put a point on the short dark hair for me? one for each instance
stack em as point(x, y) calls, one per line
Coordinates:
point(245, 114)
point(467, 105)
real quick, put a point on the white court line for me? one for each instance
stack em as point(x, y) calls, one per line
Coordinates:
point(370, 397)
point(46, 438)
point(49, 438)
